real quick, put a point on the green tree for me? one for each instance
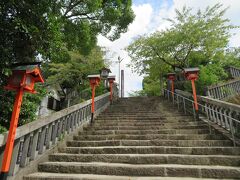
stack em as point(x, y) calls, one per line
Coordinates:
point(47, 30)
point(73, 74)
point(192, 40)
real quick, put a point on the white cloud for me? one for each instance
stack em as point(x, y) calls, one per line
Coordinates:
point(232, 12)
point(147, 21)
point(138, 27)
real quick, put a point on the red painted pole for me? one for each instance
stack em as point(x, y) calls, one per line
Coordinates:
point(93, 96)
point(12, 132)
point(194, 95)
point(111, 92)
point(173, 88)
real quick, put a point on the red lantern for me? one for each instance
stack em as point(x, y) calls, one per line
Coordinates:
point(192, 75)
point(94, 81)
point(25, 76)
point(172, 77)
point(22, 80)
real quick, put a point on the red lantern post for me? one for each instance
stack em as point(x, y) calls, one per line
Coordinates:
point(94, 81)
point(22, 80)
point(111, 80)
point(172, 78)
point(192, 75)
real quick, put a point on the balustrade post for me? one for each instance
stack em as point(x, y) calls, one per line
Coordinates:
point(14, 165)
point(226, 119)
point(207, 111)
point(41, 140)
point(24, 160)
point(184, 106)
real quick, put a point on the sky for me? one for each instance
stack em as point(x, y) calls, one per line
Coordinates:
point(150, 17)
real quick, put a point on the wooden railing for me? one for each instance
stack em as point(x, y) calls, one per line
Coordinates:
point(225, 90)
point(33, 139)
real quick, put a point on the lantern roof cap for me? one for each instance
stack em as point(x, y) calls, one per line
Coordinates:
point(107, 69)
point(94, 76)
point(26, 66)
point(112, 76)
point(191, 69)
point(170, 74)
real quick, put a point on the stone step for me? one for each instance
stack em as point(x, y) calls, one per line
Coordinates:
point(160, 116)
point(61, 176)
point(150, 137)
point(152, 150)
point(159, 127)
point(139, 123)
point(120, 112)
point(143, 119)
point(176, 143)
point(141, 170)
point(220, 160)
point(163, 131)
point(100, 121)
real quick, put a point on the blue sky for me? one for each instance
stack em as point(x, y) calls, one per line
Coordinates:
point(150, 17)
point(155, 3)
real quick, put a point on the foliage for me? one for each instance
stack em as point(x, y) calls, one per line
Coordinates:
point(73, 74)
point(193, 40)
point(46, 31)
point(28, 109)
point(2, 129)
point(75, 71)
point(46, 27)
point(137, 93)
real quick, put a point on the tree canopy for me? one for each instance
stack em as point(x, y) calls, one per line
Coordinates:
point(60, 33)
point(193, 39)
point(48, 27)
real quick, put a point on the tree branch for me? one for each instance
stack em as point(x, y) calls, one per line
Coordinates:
point(71, 6)
point(164, 60)
point(189, 51)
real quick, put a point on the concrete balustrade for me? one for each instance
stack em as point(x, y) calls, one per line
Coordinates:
point(217, 113)
point(224, 91)
point(33, 139)
point(234, 72)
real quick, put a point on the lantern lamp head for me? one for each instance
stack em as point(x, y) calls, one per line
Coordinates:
point(105, 72)
point(191, 73)
point(111, 79)
point(171, 76)
point(25, 76)
point(94, 79)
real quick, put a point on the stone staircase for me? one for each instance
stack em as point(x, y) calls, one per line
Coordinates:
point(143, 138)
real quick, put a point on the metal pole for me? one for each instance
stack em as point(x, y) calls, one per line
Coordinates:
point(122, 83)
point(119, 74)
point(119, 77)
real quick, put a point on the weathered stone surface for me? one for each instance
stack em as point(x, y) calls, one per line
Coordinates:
point(143, 139)
point(149, 159)
point(60, 176)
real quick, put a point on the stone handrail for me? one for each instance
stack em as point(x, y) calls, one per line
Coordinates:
point(220, 113)
point(225, 90)
point(234, 72)
point(33, 139)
